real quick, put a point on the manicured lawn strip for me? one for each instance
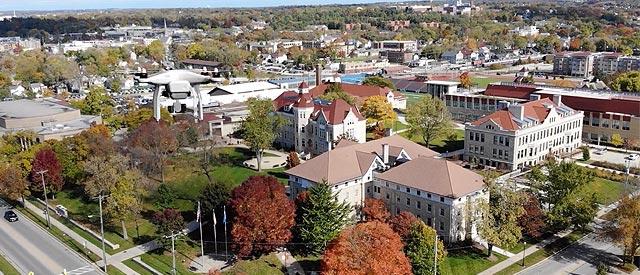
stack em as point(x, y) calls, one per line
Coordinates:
point(136, 267)
point(483, 82)
point(412, 97)
point(607, 191)
point(267, 264)
point(544, 253)
point(468, 261)
point(440, 145)
point(60, 235)
point(111, 270)
point(7, 268)
point(518, 247)
point(163, 263)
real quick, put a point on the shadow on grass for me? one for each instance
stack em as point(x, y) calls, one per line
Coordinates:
point(448, 146)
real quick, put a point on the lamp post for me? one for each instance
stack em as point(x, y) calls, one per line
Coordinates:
point(524, 251)
point(173, 251)
point(46, 200)
point(104, 253)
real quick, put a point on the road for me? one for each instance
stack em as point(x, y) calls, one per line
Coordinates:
point(32, 249)
point(582, 257)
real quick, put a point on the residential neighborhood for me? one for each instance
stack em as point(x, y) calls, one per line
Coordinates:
point(297, 137)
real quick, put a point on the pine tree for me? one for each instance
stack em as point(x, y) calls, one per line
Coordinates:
point(320, 218)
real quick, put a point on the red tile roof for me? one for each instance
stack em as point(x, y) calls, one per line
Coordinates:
point(536, 110)
point(509, 91)
point(335, 112)
point(303, 85)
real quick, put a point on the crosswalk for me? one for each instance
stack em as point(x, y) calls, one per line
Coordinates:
point(79, 271)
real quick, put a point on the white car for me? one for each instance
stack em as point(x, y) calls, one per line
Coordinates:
point(633, 157)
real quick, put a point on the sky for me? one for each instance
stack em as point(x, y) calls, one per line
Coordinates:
point(22, 5)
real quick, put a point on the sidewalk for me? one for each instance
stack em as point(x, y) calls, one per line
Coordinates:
point(289, 262)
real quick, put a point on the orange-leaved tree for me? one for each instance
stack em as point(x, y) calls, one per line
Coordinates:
point(375, 210)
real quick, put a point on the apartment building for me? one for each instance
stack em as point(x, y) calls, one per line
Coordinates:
point(313, 125)
point(522, 135)
point(397, 45)
point(578, 64)
point(405, 175)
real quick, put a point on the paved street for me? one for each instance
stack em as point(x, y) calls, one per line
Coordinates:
point(32, 249)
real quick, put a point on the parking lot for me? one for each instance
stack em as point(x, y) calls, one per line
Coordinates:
point(613, 157)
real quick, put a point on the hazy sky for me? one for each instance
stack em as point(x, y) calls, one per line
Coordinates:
point(18, 5)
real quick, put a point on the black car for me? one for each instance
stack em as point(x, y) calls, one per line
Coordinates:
point(10, 216)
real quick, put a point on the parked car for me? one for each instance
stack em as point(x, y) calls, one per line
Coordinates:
point(633, 157)
point(10, 216)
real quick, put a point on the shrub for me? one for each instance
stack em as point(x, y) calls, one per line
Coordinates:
point(585, 153)
point(496, 66)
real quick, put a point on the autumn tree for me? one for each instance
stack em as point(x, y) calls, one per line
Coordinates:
point(13, 185)
point(625, 226)
point(262, 214)
point(321, 216)
point(616, 140)
point(168, 221)
point(153, 142)
point(532, 221)
point(402, 223)
point(260, 128)
point(156, 51)
point(429, 118)
point(375, 210)
point(334, 91)
point(97, 102)
point(46, 159)
point(124, 201)
point(419, 249)
point(292, 159)
point(366, 248)
point(465, 80)
point(499, 217)
point(379, 82)
point(378, 110)
point(103, 172)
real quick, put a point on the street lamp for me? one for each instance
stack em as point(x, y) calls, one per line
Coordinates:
point(46, 200)
point(173, 250)
point(104, 253)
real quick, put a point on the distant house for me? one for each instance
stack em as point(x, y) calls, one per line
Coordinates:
point(453, 57)
point(37, 88)
point(17, 90)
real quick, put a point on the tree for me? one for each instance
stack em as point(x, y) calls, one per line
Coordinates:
point(124, 199)
point(429, 118)
point(155, 50)
point(629, 143)
point(626, 82)
point(379, 82)
point(153, 142)
point(262, 214)
point(420, 249)
point(215, 195)
point(366, 248)
point(292, 159)
point(45, 159)
point(334, 91)
point(402, 223)
point(97, 102)
point(103, 173)
point(168, 221)
point(378, 110)
point(260, 127)
point(165, 197)
point(375, 210)
point(625, 226)
point(586, 155)
point(13, 185)
point(465, 80)
point(616, 140)
point(532, 221)
point(320, 217)
point(499, 217)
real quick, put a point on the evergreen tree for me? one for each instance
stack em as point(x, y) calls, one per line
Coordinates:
point(320, 218)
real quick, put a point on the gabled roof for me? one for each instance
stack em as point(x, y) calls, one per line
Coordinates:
point(437, 176)
point(349, 161)
point(334, 112)
point(537, 110)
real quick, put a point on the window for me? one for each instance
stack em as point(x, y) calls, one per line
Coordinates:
point(429, 222)
point(397, 199)
point(387, 195)
point(441, 199)
point(625, 125)
point(595, 121)
point(418, 192)
point(418, 205)
point(428, 195)
point(408, 201)
point(616, 124)
point(605, 123)
point(441, 226)
point(441, 211)
point(408, 190)
point(481, 137)
point(428, 207)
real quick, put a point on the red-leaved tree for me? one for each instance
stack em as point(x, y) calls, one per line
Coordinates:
point(262, 214)
point(46, 159)
point(402, 223)
point(152, 143)
point(366, 248)
point(532, 221)
point(375, 210)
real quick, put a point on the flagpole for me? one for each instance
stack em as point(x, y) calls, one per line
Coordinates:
point(201, 240)
point(215, 237)
point(226, 251)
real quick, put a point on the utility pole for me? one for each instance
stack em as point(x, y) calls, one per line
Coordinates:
point(46, 200)
point(435, 255)
point(104, 253)
point(173, 250)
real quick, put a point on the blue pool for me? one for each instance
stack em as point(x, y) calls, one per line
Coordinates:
point(353, 78)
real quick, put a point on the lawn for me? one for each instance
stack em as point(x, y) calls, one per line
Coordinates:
point(483, 82)
point(607, 191)
point(111, 270)
point(544, 253)
point(7, 268)
point(136, 267)
point(267, 264)
point(468, 261)
point(412, 97)
point(441, 145)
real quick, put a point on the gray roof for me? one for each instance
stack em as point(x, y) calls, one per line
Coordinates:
point(24, 108)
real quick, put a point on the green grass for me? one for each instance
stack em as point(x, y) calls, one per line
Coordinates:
point(7, 268)
point(607, 191)
point(440, 145)
point(468, 261)
point(60, 235)
point(544, 253)
point(518, 247)
point(267, 264)
point(483, 82)
point(136, 267)
point(412, 98)
point(111, 270)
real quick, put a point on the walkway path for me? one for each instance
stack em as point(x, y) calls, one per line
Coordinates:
point(290, 263)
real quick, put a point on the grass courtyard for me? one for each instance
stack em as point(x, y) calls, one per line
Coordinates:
point(468, 261)
point(441, 145)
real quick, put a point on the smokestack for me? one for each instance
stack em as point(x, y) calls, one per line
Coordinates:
point(318, 74)
point(385, 153)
